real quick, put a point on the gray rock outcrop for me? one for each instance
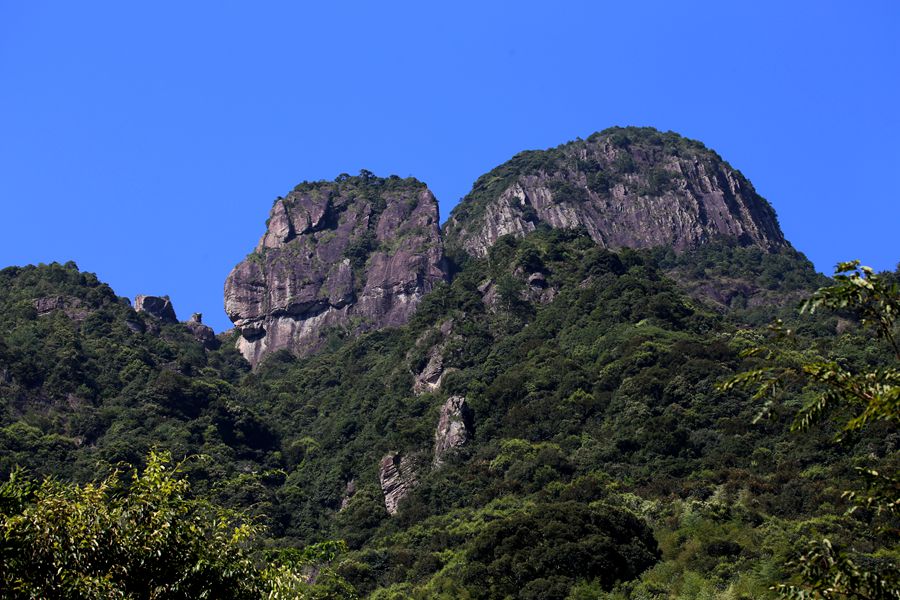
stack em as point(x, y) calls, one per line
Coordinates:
point(454, 428)
point(351, 255)
point(349, 492)
point(71, 306)
point(202, 333)
point(158, 307)
point(626, 187)
point(398, 477)
point(429, 378)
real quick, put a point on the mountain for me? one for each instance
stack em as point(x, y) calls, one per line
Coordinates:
point(627, 187)
point(359, 253)
point(351, 255)
point(529, 415)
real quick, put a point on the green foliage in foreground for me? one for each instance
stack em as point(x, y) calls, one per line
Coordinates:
point(855, 397)
point(140, 537)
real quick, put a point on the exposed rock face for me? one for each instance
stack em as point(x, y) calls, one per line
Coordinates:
point(397, 476)
point(135, 326)
point(159, 307)
point(72, 307)
point(454, 428)
point(536, 289)
point(627, 187)
point(429, 378)
point(48, 304)
point(202, 333)
point(355, 254)
point(489, 294)
point(349, 492)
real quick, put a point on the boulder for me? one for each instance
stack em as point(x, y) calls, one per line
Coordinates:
point(202, 333)
point(158, 307)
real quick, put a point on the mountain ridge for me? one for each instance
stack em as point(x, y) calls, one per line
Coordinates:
point(626, 187)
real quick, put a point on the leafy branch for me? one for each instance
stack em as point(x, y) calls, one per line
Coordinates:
point(869, 396)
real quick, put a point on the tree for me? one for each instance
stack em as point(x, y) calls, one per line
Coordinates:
point(143, 536)
point(855, 398)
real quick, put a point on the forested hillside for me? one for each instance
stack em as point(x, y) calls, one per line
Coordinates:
point(554, 421)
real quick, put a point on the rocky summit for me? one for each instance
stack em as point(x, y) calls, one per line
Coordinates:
point(158, 307)
point(358, 253)
point(350, 255)
point(627, 187)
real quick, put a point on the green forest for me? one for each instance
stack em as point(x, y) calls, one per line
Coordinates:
point(561, 417)
point(622, 446)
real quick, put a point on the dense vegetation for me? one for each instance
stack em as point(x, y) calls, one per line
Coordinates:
point(606, 460)
point(143, 537)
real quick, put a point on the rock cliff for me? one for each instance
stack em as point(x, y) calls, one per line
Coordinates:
point(454, 428)
point(71, 306)
point(202, 333)
point(430, 371)
point(350, 255)
point(359, 253)
point(397, 475)
point(158, 307)
point(627, 187)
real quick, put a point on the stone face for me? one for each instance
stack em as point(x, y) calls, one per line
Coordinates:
point(48, 304)
point(353, 255)
point(398, 477)
point(454, 428)
point(158, 307)
point(429, 379)
point(627, 187)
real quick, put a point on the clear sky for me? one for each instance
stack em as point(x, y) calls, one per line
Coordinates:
point(147, 140)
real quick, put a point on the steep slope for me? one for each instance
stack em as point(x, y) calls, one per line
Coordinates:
point(584, 381)
point(588, 373)
point(86, 381)
point(627, 187)
point(354, 254)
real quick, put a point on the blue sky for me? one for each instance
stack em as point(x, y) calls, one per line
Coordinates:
point(146, 141)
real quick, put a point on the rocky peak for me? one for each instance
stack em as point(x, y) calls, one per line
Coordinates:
point(354, 254)
point(627, 187)
point(202, 333)
point(158, 307)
